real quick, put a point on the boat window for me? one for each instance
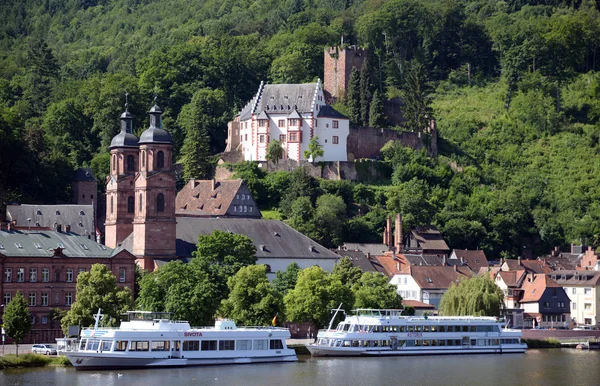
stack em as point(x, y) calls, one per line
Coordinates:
point(139, 346)
point(418, 343)
point(472, 328)
point(82, 344)
point(394, 328)
point(465, 328)
point(427, 342)
point(92, 344)
point(160, 345)
point(191, 345)
point(347, 343)
point(275, 344)
point(425, 328)
point(106, 345)
point(346, 327)
point(418, 328)
point(442, 328)
point(244, 345)
point(411, 328)
point(260, 344)
point(121, 345)
point(410, 343)
point(209, 345)
point(450, 329)
point(226, 345)
point(442, 342)
point(481, 328)
point(402, 328)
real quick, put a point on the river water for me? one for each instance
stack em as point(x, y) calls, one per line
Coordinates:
point(536, 367)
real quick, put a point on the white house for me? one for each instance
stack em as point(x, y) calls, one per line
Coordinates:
point(292, 114)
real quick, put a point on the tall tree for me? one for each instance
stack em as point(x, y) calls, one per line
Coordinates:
point(274, 151)
point(97, 289)
point(252, 300)
point(376, 117)
point(286, 280)
point(348, 274)
point(315, 294)
point(17, 319)
point(314, 150)
point(417, 99)
point(373, 290)
point(476, 296)
point(366, 90)
point(330, 214)
point(353, 96)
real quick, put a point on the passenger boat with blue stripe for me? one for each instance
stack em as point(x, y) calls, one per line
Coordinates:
point(152, 339)
point(373, 332)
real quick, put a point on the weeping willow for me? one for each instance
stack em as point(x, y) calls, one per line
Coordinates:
point(476, 296)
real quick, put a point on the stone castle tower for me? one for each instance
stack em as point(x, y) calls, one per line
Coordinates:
point(140, 191)
point(338, 64)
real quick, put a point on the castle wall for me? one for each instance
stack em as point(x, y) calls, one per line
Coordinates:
point(338, 64)
point(366, 142)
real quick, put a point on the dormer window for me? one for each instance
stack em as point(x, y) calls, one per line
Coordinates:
point(293, 122)
point(429, 280)
point(262, 123)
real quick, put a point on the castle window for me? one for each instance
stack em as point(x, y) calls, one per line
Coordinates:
point(112, 205)
point(144, 159)
point(261, 138)
point(282, 138)
point(281, 123)
point(130, 204)
point(130, 161)
point(294, 121)
point(335, 140)
point(140, 205)
point(335, 124)
point(114, 162)
point(160, 203)
point(262, 123)
point(160, 160)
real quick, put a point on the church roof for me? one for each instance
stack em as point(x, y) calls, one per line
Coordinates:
point(272, 238)
point(84, 174)
point(155, 135)
point(124, 139)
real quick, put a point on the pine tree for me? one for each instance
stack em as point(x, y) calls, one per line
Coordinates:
point(195, 154)
point(376, 117)
point(366, 90)
point(17, 319)
point(417, 100)
point(353, 96)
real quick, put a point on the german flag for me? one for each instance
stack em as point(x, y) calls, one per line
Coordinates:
point(274, 322)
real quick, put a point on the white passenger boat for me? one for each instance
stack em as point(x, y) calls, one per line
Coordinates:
point(372, 332)
point(152, 339)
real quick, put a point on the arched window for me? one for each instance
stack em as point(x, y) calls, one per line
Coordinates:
point(160, 160)
point(160, 203)
point(140, 205)
point(130, 204)
point(114, 162)
point(112, 205)
point(130, 161)
point(144, 159)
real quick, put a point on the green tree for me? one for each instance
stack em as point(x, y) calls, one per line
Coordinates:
point(376, 117)
point(315, 294)
point(353, 96)
point(252, 300)
point(274, 151)
point(373, 290)
point(186, 290)
point(366, 91)
point(286, 280)
point(417, 99)
point(301, 184)
point(314, 150)
point(476, 296)
point(17, 319)
point(97, 289)
point(348, 274)
point(330, 214)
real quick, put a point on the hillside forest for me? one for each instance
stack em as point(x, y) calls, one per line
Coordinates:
point(512, 85)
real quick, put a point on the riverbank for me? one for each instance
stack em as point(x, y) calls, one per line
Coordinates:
point(32, 360)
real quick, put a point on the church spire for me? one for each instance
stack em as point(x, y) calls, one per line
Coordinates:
point(127, 118)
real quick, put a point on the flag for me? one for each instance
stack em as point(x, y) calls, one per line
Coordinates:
point(274, 322)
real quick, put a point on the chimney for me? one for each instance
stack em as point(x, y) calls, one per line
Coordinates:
point(455, 268)
point(369, 255)
point(9, 226)
point(444, 260)
point(519, 260)
point(59, 228)
point(213, 184)
point(530, 277)
point(462, 260)
point(194, 183)
point(398, 265)
point(398, 233)
point(68, 228)
point(386, 232)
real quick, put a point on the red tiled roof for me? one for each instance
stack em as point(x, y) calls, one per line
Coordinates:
point(512, 278)
point(389, 264)
point(534, 289)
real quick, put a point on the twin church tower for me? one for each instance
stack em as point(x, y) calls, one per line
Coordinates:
point(140, 190)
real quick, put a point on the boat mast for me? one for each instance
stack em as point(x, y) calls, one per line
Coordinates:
point(334, 315)
point(97, 318)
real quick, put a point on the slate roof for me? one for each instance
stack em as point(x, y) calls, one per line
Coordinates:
point(423, 259)
point(574, 278)
point(473, 259)
point(79, 217)
point(429, 238)
point(373, 249)
point(42, 243)
point(535, 266)
point(84, 174)
point(272, 238)
point(285, 98)
point(330, 112)
point(533, 290)
point(564, 261)
point(438, 277)
point(361, 261)
point(198, 198)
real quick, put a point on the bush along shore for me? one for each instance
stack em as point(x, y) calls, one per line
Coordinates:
point(543, 343)
point(32, 360)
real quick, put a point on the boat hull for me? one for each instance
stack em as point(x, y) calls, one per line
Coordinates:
point(324, 351)
point(91, 361)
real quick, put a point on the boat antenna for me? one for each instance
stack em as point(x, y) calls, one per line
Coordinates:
point(97, 318)
point(335, 314)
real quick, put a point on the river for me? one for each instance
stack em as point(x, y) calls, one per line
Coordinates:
point(536, 367)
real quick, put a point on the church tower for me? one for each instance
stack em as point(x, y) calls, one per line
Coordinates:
point(120, 198)
point(154, 226)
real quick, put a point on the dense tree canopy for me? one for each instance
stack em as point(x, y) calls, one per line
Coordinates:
point(475, 296)
point(16, 319)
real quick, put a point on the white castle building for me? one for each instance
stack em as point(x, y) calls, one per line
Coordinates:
point(292, 114)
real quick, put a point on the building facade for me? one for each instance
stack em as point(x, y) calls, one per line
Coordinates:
point(292, 114)
point(583, 289)
point(43, 265)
